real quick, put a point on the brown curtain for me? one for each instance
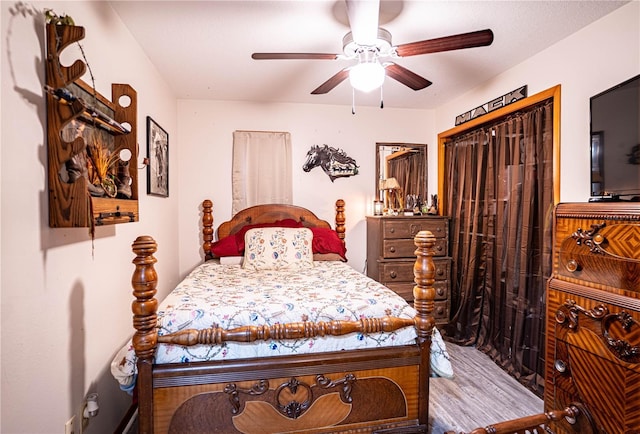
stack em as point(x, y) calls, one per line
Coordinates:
point(499, 186)
point(410, 170)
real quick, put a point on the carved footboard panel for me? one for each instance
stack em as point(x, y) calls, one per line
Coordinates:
point(353, 392)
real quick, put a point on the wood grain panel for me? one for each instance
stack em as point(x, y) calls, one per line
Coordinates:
point(597, 374)
point(372, 398)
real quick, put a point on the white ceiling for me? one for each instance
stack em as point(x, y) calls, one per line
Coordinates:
point(203, 48)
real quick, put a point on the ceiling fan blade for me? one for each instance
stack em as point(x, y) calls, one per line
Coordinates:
point(294, 56)
point(332, 82)
point(363, 19)
point(406, 77)
point(479, 38)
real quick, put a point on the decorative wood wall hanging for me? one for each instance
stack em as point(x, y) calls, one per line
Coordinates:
point(89, 139)
point(334, 162)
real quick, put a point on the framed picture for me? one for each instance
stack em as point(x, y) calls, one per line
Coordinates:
point(158, 152)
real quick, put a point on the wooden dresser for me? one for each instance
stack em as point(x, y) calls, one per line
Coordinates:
point(390, 256)
point(593, 316)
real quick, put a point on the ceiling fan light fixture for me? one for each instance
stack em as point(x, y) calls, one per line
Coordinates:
point(366, 77)
point(368, 74)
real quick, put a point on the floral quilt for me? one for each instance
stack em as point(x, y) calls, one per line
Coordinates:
point(230, 296)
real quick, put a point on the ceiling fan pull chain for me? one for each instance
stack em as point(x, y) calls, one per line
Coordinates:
point(353, 101)
point(381, 99)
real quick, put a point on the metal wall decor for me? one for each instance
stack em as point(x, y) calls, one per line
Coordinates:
point(334, 162)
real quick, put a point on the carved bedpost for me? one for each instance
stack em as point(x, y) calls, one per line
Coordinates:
point(145, 339)
point(207, 228)
point(424, 294)
point(340, 219)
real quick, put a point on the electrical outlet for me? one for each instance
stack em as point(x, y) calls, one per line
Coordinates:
point(70, 426)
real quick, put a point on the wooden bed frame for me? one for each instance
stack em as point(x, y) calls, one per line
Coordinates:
point(381, 390)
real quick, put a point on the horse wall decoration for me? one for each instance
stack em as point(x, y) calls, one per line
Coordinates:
point(334, 162)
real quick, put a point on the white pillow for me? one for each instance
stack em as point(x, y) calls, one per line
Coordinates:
point(275, 248)
point(231, 260)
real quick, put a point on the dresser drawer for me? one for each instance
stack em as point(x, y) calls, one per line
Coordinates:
point(405, 290)
point(391, 256)
point(402, 271)
point(594, 353)
point(599, 256)
point(399, 248)
point(408, 228)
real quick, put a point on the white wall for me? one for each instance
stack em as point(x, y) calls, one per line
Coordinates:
point(595, 58)
point(65, 310)
point(591, 60)
point(205, 132)
point(65, 302)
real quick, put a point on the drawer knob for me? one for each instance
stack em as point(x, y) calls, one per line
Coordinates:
point(440, 292)
point(439, 248)
point(440, 272)
point(392, 249)
point(392, 230)
point(393, 274)
point(560, 366)
point(573, 266)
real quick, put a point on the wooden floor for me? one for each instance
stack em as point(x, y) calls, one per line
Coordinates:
point(480, 393)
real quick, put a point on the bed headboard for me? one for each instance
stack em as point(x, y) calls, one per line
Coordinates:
point(265, 214)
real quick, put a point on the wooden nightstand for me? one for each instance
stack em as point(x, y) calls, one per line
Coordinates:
point(390, 256)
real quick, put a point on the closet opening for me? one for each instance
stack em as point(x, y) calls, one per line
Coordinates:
point(499, 182)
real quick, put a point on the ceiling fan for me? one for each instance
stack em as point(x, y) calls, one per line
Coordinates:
point(371, 46)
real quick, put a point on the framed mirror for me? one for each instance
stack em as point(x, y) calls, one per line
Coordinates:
point(401, 176)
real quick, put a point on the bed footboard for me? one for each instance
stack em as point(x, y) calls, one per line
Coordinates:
point(349, 391)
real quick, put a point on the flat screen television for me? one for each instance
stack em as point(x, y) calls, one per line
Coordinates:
point(615, 143)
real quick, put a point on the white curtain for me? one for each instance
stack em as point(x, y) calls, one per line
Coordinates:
point(261, 170)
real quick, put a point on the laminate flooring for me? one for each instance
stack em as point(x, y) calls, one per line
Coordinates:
point(480, 393)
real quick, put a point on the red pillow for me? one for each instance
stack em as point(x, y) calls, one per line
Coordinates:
point(226, 247)
point(326, 240)
point(286, 223)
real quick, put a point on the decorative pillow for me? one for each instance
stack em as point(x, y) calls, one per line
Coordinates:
point(233, 245)
point(326, 240)
point(278, 248)
point(225, 247)
point(285, 223)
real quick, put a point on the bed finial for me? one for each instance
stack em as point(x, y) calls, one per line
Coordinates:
point(340, 219)
point(424, 272)
point(145, 339)
point(145, 306)
point(207, 228)
point(424, 294)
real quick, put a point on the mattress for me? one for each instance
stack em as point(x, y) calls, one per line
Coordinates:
point(230, 296)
